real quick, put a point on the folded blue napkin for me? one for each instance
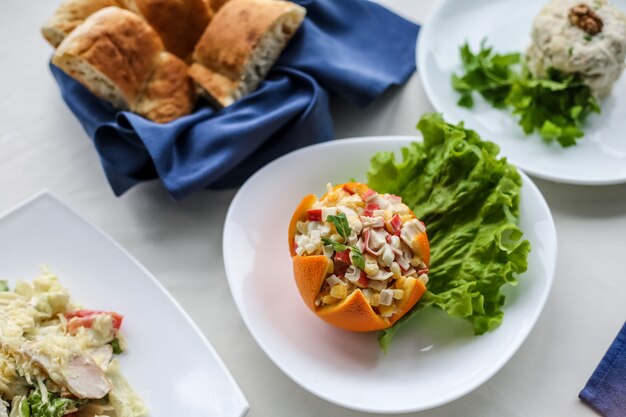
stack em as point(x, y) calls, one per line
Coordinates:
point(605, 391)
point(355, 49)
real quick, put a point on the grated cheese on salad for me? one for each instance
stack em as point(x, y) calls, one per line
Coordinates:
point(56, 358)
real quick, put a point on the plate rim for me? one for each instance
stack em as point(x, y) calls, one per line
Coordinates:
point(242, 402)
point(424, 36)
point(504, 359)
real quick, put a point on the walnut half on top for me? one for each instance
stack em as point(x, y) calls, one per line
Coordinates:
point(583, 17)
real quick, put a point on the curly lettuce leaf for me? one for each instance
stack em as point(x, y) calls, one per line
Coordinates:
point(469, 199)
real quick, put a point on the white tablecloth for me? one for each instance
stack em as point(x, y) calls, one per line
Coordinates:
point(42, 146)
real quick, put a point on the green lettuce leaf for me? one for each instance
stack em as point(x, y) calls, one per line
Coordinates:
point(469, 199)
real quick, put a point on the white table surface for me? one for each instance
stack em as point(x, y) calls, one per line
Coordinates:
point(42, 146)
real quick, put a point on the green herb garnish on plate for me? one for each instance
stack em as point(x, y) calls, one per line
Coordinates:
point(469, 200)
point(556, 107)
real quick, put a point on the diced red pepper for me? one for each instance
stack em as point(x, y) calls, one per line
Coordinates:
point(314, 215)
point(368, 211)
point(388, 238)
point(363, 282)
point(422, 271)
point(85, 318)
point(348, 189)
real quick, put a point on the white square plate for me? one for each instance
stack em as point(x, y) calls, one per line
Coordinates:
point(168, 361)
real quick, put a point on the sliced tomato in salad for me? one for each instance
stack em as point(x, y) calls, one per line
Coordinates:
point(85, 318)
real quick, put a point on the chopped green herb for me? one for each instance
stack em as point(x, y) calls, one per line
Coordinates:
point(24, 408)
point(4, 285)
point(337, 247)
point(115, 344)
point(588, 38)
point(357, 257)
point(487, 73)
point(55, 407)
point(556, 106)
point(341, 224)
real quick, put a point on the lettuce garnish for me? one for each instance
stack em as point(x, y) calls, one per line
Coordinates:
point(469, 199)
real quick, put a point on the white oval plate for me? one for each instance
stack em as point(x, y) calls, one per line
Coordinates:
point(598, 158)
point(169, 362)
point(436, 361)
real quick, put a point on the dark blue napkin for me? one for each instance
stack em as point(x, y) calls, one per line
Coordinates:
point(355, 49)
point(605, 391)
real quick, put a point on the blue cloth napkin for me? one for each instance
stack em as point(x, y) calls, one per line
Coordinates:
point(605, 391)
point(355, 49)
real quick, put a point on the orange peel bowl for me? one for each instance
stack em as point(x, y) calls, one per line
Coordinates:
point(353, 313)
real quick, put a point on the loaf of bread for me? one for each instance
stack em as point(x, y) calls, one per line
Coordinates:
point(132, 53)
point(179, 23)
point(119, 57)
point(70, 14)
point(241, 43)
point(112, 53)
point(169, 93)
point(215, 5)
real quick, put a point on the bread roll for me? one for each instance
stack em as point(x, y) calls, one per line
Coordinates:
point(70, 14)
point(169, 92)
point(216, 4)
point(179, 23)
point(112, 53)
point(240, 45)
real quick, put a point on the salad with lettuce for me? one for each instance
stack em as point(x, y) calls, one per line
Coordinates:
point(59, 359)
point(469, 199)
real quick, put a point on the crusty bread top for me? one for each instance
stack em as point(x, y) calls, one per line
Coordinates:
point(179, 23)
point(235, 30)
point(70, 14)
point(169, 93)
point(118, 44)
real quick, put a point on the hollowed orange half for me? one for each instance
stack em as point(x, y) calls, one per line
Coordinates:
point(353, 313)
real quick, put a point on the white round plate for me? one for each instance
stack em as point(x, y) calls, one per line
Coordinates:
point(434, 361)
point(598, 158)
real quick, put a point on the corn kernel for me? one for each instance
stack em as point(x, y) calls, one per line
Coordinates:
point(327, 299)
point(338, 291)
point(395, 268)
point(398, 294)
point(375, 300)
point(400, 282)
point(416, 261)
point(331, 266)
point(409, 283)
point(387, 311)
point(371, 268)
